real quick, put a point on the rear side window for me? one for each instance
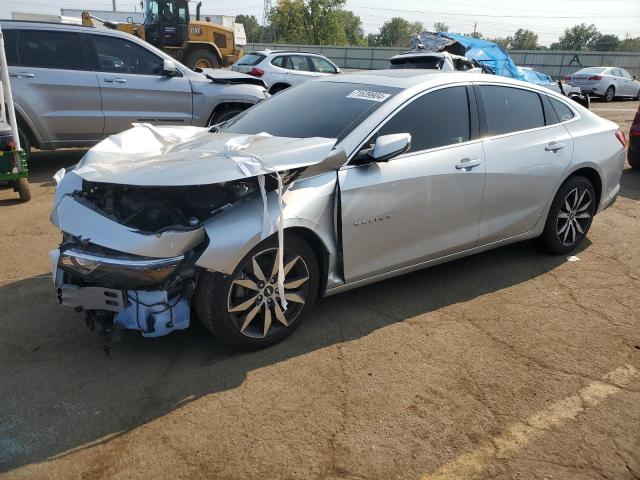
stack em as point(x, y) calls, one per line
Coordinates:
point(434, 120)
point(426, 62)
point(279, 61)
point(47, 49)
point(511, 109)
point(564, 112)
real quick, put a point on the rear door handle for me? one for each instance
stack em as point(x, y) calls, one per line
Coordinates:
point(554, 147)
point(115, 80)
point(22, 75)
point(467, 164)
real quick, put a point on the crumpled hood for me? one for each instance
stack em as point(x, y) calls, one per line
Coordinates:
point(218, 75)
point(177, 156)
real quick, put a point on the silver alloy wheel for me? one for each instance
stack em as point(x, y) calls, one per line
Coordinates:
point(574, 217)
point(254, 303)
point(609, 94)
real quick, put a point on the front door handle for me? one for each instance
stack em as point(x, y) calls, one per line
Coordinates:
point(115, 80)
point(554, 147)
point(22, 75)
point(467, 164)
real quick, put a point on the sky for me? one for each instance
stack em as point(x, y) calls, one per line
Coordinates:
point(547, 18)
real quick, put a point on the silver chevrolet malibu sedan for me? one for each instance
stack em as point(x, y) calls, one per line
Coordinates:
point(327, 186)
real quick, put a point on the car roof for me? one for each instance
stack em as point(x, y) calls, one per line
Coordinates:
point(406, 78)
point(18, 24)
point(288, 52)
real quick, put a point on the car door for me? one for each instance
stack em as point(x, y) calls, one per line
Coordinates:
point(298, 69)
point(420, 205)
point(53, 85)
point(526, 152)
point(134, 87)
point(631, 86)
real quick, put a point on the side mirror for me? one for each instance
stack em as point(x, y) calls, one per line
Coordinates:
point(169, 68)
point(338, 70)
point(389, 146)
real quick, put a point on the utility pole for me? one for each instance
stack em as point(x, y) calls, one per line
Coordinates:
point(626, 40)
point(475, 25)
point(114, 5)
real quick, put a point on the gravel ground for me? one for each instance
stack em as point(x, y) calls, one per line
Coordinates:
point(509, 364)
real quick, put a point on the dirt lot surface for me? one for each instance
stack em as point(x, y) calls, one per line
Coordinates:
point(509, 364)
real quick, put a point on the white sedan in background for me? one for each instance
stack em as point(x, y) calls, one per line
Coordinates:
point(606, 82)
point(281, 69)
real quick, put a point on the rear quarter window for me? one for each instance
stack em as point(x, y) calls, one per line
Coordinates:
point(510, 109)
point(564, 112)
point(251, 59)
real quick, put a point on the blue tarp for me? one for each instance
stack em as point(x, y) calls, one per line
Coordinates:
point(483, 51)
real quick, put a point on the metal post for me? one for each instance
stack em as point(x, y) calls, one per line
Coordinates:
point(4, 73)
point(114, 5)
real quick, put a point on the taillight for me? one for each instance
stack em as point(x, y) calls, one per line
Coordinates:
point(595, 77)
point(635, 126)
point(567, 78)
point(256, 72)
point(620, 137)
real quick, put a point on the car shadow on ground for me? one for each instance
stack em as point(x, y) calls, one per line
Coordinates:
point(62, 392)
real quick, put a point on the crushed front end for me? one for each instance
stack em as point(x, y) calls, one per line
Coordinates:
point(128, 253)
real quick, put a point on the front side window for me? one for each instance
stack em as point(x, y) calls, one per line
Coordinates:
point(313, 109)
point(434, 120)
point(116, 55)
point(299, 63)
point(511, 109)
point(626, 74)
point(322, 66)
point(48, 49)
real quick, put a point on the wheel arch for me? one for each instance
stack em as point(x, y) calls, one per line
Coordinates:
point(23, 121)
point(590, 174)
point(277, 87)
point(319, 249)
point(224, 105)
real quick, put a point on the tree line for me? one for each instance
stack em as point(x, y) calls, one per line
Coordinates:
point(327, 22)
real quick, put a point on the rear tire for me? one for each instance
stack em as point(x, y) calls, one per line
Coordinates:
point(610, 94)
point(243, 309)
point(25, 143)
point(570, 216)
point(23, 189)
point(202, 58)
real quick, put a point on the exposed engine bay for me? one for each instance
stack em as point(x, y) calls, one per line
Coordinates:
point(154, 209)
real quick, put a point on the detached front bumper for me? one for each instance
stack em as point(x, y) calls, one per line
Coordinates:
point(151, 295)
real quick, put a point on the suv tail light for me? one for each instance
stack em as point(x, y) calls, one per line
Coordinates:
point(595, 77)
point(620, 137)
point(635, 126)
point(256, 72)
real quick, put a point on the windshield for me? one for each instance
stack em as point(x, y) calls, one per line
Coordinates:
point(313, 109)
point(591, 70)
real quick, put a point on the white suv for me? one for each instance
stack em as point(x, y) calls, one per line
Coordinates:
point(280, 69)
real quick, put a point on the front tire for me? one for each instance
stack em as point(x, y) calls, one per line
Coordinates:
point(25, 143)
point(569, 217)
point(23, 189)
point(244, 309)
point(610, 94)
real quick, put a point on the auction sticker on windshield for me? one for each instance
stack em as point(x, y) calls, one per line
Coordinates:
point(369, 95)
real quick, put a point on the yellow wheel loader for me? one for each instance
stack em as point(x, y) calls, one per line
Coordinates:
point(167, 25)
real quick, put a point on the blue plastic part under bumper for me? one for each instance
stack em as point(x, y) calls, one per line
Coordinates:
point(153, 313)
